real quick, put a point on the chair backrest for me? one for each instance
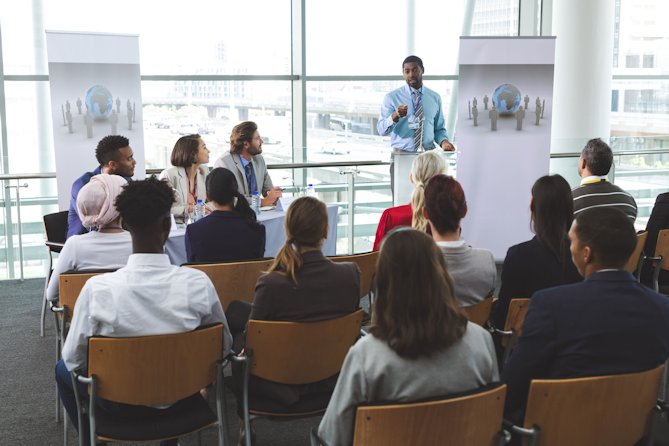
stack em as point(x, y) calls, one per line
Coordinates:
point(301, 352)
point(633, 262)
point(662, 248)
point(613, 410)
point(55, 227)
point(155, 370)
point(473, 420)
point(235, 280)
point(515, 317)
point(480, 312)
point(70, 285)
point(367, 264)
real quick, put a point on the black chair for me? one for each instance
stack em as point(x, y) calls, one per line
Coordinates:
point(55, 227)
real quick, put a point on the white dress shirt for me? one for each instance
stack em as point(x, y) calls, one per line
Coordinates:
point(149, 296)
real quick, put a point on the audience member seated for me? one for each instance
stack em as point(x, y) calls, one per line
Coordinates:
point(659, 219)
point(595, 189)
point(302, 285)
point(420, 343)
point(187, 175)
point(149, 296)
point(608, 324)
point(473, 269)
point(544, 261)
point(107, 248)
point(424, 167)
point(230, 232)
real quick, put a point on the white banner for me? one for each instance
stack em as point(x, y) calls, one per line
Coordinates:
point(505, 100)
point(95, 92)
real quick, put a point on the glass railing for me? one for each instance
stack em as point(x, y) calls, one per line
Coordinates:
point(361, 189)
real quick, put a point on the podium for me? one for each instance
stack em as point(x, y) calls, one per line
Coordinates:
point(402, 177)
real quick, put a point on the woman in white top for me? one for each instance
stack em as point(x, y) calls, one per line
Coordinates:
point(420, 343)
point(107, 248)
point(187, 175)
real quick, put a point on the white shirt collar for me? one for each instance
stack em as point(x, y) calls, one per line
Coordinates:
point(149, 259)
point(452, 244)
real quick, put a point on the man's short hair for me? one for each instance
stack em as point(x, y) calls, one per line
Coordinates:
point(417, 60)
point(609, 233)
point(143, 203)
point(107, 148)
point(242, 132)
point(598, 157)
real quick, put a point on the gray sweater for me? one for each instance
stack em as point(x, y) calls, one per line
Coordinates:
point(473, 271)
point(373, 372)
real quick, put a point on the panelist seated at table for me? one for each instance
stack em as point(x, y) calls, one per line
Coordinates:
point(230, 232)
point(246, 162)
point(186, 177)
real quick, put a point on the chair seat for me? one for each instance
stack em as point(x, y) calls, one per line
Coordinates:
point(140, 423)
point(309, 404)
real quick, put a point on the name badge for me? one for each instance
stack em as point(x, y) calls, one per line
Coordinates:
point(414, 123)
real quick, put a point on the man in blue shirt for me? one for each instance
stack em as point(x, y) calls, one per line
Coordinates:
point(116, 158)
point(412, 115)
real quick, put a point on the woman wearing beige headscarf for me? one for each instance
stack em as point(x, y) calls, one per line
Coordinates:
point(109, 246)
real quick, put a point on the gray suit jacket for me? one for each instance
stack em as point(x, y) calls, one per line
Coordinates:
point(234, 165)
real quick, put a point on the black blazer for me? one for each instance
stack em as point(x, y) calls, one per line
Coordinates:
point(659, 219)
point(608, 324)
point(528, 267)
point(224, 236)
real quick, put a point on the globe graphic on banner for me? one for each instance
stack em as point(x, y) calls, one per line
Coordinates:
point(506, 98)
point(99, 101)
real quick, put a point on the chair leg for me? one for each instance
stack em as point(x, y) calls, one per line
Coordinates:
point(45, 302)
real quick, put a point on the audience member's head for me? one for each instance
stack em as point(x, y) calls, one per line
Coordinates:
point(601, 238)
point(306, 227)
point(145, 209)
point(115, 156)
point(415, 311)
point(95, 201)
point(242, 133)
point(189, 150)
point(222, 190)
point(552, 209)
point(424, 166)
point(596, 158)
point(445, 204)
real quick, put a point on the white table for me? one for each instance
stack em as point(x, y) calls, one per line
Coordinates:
point(275, 235)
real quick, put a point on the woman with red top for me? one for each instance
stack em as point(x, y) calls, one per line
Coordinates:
point(424, 166)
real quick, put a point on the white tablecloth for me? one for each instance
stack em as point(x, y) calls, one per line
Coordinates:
point(275, 236)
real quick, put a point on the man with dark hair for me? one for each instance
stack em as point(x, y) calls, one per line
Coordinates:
point(608, 324)
point(115, 157)
point(148, 296)
point(412, 115)
point(245, 160)
point(595, 190)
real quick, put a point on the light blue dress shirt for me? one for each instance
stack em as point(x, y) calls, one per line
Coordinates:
point(401, 136)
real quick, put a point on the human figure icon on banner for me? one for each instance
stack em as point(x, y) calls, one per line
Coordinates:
point(88, 120)
point(469, 109)
point(79, 105)
point(134, 111)
point(520, 114)
point(527, 101)
point(113, 119)
point(474, 102)
point(475, 114)
point(67, 106)
point(537, 112)
point(62, 111)
point(118, 105)
point(543, 107)
point(493, 114)
point(538, 102)
point(68, 116)
point(485, 102)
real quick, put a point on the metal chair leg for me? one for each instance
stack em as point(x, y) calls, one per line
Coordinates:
point(45, 302)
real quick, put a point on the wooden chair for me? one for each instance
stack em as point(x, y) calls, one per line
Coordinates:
point(367, 264)
point(513, 326)
point(635, 262)
point(294, 353)
point(235, 280)
point(480, 312)
point(473, 420)
point(661, 259)
point(153, 371)
point(55, 228)
point(613, 410)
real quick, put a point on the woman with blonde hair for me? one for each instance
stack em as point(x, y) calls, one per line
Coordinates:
point(424, 166)
point(420, 343)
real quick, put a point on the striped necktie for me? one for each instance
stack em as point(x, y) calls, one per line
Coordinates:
point(418, 117)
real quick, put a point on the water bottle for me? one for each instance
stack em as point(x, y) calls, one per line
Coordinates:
point(199, 209)
point(255, 203)
point(310, 191)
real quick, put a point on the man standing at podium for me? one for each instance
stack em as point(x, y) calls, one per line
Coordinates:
point(412, 115)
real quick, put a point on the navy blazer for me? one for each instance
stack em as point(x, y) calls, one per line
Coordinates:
point(608, 324)
point(224, 236)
